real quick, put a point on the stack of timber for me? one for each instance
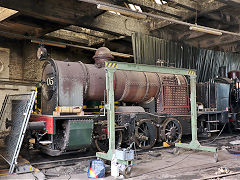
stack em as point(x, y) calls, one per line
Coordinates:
point(68, 110)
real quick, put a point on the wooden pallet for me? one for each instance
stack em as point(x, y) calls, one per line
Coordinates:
point(68, 110)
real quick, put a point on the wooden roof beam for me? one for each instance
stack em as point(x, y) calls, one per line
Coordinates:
point(224, 39)
point(232, 47)
point(61, 11)
point(183, 36)
point(187, 4)
point(89, 32)
point(206, 7)
point(117, 24)
point(231, 2)
point(69, 36)
point(70, 13)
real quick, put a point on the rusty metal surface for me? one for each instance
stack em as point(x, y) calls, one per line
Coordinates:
point(70, 84)
point(136, 86)
point(129, 86)
point(174, 96)
point(102, 54)
point(62, 85)
point(96, 83)
point(75, 81)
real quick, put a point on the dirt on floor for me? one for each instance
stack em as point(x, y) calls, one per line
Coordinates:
point(158, 164)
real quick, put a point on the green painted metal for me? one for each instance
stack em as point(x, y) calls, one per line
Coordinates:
point(149, 68)
point(111, 110)
point(194, 144)
point(110, 115)
point(112, 66)
point(80, 130)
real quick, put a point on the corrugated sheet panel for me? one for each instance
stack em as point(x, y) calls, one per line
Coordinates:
point(147, 50)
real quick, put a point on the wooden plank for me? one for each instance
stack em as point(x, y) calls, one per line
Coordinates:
point(55, 113)
point(69, 109)
point(6, 13)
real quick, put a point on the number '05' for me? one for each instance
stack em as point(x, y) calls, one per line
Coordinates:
point(50, 81)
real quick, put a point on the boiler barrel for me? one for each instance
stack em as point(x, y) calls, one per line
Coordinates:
point(68, 83)
point(129, 86)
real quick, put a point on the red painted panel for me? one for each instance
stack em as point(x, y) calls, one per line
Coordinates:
point(49, 122)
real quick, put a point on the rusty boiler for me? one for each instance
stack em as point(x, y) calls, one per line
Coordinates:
point(72, 83)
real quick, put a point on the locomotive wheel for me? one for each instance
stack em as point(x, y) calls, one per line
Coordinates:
point(145, 134)
point(171, 131)
point(103, 145)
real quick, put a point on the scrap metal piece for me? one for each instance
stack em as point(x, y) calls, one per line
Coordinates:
point(73, 130)
point(17, 108)
point(26, 168)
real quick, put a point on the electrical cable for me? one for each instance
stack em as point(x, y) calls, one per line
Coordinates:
point(171, 165)
point(164, 167)
point(217, 135)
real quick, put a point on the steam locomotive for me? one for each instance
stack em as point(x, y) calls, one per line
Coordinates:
point(150, 107)
point(218, 102)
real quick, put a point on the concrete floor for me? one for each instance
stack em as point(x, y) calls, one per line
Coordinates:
point(155, 165)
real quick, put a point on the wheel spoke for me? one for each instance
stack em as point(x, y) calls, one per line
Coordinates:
point(141, 129)
point(172, 131)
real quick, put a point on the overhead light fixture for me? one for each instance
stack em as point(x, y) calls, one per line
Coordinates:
point(160, 2)
point(135, 8)
point(122, 11)
point(138, 8)
point(205, 30)
point(132, 7)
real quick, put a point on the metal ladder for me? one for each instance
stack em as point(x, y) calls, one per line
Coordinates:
point(212, 124)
